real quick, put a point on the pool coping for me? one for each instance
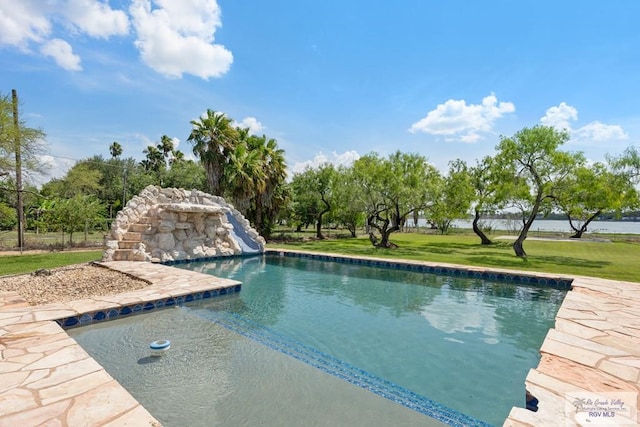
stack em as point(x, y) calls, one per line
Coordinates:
point(46, 376)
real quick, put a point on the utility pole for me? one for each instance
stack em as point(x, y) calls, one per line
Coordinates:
point(17, 145)
point(124, 186)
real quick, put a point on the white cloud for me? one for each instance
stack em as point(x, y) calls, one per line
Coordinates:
point(31, 22)
point(250, 122)
point(173, 36)
point(55, 167)
point(343, 159)
point(177, 37)
point(594, 132)
point(176, 142)
point(599, 132)
point(62, 53)
point(22, 22)
point(559, 116)
point(459, 121)
point(96, 19)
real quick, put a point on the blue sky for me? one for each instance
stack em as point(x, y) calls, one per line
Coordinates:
point(330, 80)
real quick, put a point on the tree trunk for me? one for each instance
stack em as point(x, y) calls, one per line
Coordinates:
point(327, 208)
point(517, 245)
point(416, 218)
point(578, 234)
point(484, 240)
point(583, 229)
point(259, 225)
point(384, 229)
point(384, 241)
point(319, 234)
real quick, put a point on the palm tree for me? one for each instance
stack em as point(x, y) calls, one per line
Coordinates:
point(165, 145)
point(154, 160)
point(214, 139)
point(245, 176)
point(115, 149)
point(269, 199)
point(177, 156)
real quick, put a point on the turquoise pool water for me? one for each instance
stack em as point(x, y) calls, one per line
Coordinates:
point(332, 344)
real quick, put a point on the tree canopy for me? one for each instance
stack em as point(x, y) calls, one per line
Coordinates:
point(529, 173)
point(533, 159)
point(392, 188)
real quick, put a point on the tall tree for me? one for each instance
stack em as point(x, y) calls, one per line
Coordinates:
point(20, 147)
point(452, 197)
point(304, 201)
point(8, 217)
point(534, 155)
point(30, 142)
point(392, 189)
point(185, 174)
point(485, 190)
point(82, 178)
point(591, 190)
point(154, 160)
point(78, 213)
point(314, 192)
point(494, 186)
point(166, 146)
point(347, 210)
point(214, 138)
point(273, 195)
point(245, 175)
point(628, 163)
point(115, 149)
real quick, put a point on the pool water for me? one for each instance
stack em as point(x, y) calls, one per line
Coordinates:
point(327, 343)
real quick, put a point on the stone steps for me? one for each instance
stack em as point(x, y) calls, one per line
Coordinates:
point(128, 255)
point(132, 236)
point(127, 247)
point(128, 244)
point(123, 255)
point(139, 228)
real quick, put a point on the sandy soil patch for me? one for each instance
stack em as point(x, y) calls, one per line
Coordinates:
point(70, 283)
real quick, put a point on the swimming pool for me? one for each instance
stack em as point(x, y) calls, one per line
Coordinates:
point(264, 354)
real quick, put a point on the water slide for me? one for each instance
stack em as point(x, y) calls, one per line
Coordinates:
point(247, 244)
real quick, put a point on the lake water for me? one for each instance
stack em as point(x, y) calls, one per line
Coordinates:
point(606, 227)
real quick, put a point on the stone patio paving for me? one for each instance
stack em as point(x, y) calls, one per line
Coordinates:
point(46, 378)
point(593, 351)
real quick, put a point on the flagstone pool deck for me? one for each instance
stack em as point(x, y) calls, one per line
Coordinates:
point(46, 378)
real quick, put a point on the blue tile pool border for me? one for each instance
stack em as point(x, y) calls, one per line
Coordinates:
point(484, 274)
point(519, 278)
point(118, 312)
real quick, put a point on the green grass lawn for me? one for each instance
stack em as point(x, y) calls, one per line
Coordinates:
point(612, 260)
point(28, 263)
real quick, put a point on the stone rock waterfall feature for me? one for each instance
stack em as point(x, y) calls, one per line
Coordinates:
point(170, 224)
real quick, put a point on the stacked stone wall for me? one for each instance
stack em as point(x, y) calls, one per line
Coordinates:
point(169, 224)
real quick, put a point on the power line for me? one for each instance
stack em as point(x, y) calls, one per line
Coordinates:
point(89, 160)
